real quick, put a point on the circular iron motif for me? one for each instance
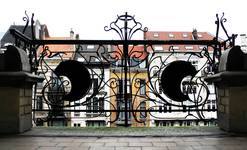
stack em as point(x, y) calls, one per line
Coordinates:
point(79, 78)
point(172, 77)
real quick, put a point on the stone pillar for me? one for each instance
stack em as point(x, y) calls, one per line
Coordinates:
point(232, 108)
point(231, 85)
point(16, 109)
point(16, 101)
point(16, 85)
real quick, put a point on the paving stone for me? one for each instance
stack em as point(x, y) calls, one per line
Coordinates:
point(68, 144)
point(117, 144)
point(76, 148)
point(92, 144)
point(188, 143)
point(204, 147)
point(164, 144)
point(231, 147)
point(49, 148)
point(128, 148)
point(12, 147)
point(83, 139)
point(154, 148)
point(101, 148)
point(180, 148)
point(141, 144)
point(110, 140)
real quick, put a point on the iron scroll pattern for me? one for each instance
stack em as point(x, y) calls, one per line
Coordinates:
point(125, 81)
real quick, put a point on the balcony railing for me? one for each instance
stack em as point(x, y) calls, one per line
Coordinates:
point(175, 90)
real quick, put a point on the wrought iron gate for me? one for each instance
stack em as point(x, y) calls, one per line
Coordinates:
point(123, 81)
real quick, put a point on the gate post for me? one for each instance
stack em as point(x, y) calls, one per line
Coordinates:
point(231, 85)
point(16, 88)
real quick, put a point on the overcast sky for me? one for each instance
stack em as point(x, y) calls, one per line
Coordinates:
point(88, 17)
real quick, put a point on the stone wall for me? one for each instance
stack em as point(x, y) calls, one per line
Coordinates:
point(232, 108)
point(16, 109)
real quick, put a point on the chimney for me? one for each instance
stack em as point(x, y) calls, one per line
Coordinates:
point(71, 34)
point(77, 37)
point(194, 34)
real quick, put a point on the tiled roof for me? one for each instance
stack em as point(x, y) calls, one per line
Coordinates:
point(68, 50)
point(136, 52)
point(178, 35)
point(8, 38)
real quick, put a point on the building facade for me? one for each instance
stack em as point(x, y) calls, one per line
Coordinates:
point(163, 55)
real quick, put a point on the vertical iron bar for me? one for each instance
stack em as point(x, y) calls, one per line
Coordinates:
point(125, 53)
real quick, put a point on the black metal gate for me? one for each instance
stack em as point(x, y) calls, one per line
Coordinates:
point(126, 81)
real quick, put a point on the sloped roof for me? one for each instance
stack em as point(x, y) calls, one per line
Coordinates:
point(67, 50)
point(136, 52)
point(8, 38)
point(179, 35)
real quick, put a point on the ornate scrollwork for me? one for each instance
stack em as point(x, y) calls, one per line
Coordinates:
point(125, 26)
point(135, 83)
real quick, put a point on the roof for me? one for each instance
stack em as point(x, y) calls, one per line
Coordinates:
point(8, 38)
point(67, 50)
point(179, 35)
point(136, 52)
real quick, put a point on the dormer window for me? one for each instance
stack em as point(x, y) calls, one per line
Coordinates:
point(188, 47)
point(158, 48)
point(90, 47)
point(175, 47)
point(185, 35)
point(171, 35)
point(156, 35)
point(201, 47)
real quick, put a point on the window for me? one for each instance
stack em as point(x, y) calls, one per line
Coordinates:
point(209, 104)
point(77, 107)
point(155, 73)
point(185, 35)
point(77, 114)
point(199, 35)
point(160, 89)
point(121, 86)
point(89, 105)
point(121, 106)
point(134, 62)
point(95, 104)
point(213, 104)
point(81, 59)
point(40, 84)
point(91, 123)
point(39, 104)
point(202, 47)
point(90, 47)
point(175, 47)
point(143, 113)
point(156, 35)
point(190, 89)
point(158, 48)
point(170, 35)
point(195, 64)
point(189, 47)
point(142, 87)
point(101, 103)
point(95, 85)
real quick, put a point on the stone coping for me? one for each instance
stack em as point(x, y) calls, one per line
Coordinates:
point(17, 78)
point(228, 78)
point(122, 131)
